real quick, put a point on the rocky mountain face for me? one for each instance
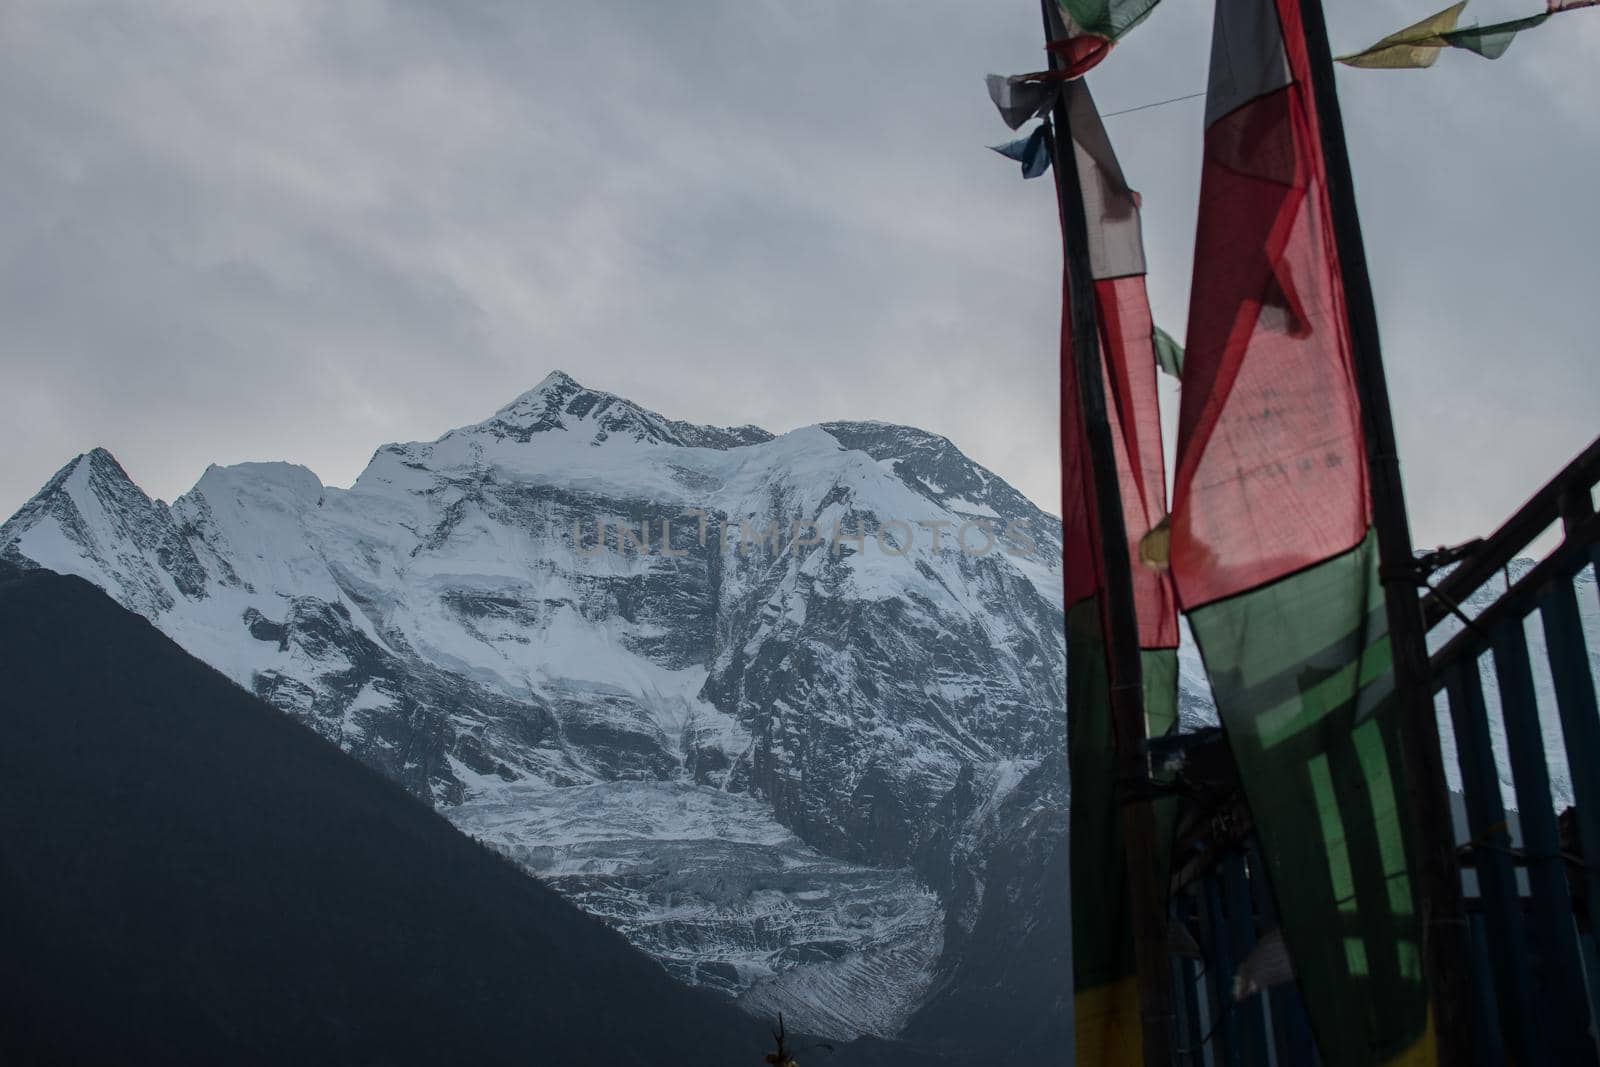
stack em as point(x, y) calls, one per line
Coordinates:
point(785, 711)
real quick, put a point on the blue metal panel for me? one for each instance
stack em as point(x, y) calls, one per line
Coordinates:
point(1580, 722)
point(1214, 1002)
point(1298, 1044)
point(1491, 844)
point(1226, 1038)
point(1192, 1021)
point(1486, 1027)
point(1591, 964)
point(1241, 920)
point(1563, 1010)
point(1291, 1029)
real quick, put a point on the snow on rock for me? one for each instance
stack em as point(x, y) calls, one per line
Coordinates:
point(739, 746)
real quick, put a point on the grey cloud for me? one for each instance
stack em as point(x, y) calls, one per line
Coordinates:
point(299, 230)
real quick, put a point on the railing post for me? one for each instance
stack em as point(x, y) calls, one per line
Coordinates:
point(1580, 720)
point(1575, 504)
point(1565, 1014)
point(1497, 879)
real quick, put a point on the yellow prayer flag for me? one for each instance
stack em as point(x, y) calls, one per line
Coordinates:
point(1417, 45)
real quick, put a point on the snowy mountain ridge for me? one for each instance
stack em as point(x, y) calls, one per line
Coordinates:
point(742, 755)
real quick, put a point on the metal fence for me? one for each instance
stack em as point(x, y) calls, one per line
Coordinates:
point(1521, 727)
point(1516, 649)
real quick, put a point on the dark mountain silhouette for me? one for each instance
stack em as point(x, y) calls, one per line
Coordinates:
point(189, 876)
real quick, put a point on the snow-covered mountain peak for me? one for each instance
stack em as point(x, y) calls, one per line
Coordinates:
point(560, 402)
point(733, 738)
point(289, 478)
point(544, 401)
point(85, 471)
point(556, 379)
point(100, 459)
point(92, 521)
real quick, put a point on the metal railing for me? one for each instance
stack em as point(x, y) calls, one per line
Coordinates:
point(1513, 667)
point(1516, 689)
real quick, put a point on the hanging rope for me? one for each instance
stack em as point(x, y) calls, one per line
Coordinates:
point(1157, 103)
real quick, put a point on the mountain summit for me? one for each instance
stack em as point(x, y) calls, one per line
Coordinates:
point(785, 711)
point(560, 403)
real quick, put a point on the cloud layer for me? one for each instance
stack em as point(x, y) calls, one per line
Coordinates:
point(298, 230)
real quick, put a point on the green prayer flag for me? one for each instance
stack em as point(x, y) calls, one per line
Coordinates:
point(1106, 18)
point(1082, 31)
point(1303, 679)
point(1491, 42)
point(1169, 353)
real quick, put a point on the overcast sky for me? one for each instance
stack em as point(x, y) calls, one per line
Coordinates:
point(299, 230)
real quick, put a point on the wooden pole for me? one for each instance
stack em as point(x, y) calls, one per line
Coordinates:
point(1445, 957)
point(1148, 896)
